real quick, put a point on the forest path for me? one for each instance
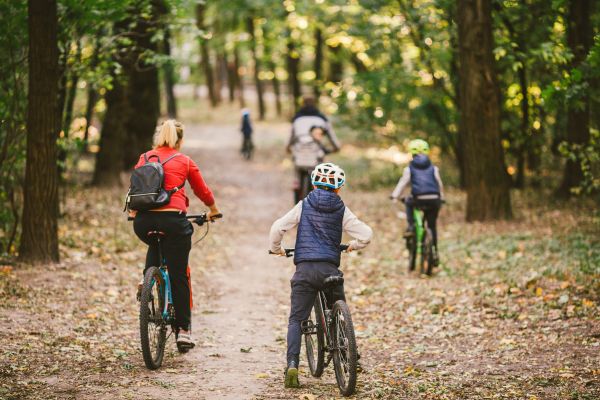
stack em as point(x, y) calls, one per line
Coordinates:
point(245, 288)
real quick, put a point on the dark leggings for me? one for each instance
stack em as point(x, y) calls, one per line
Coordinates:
point(431, 207)
point(175, 245)
point(307, 279)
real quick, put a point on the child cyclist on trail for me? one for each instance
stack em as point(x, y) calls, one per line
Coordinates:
point(427, 190)
point(321, 218)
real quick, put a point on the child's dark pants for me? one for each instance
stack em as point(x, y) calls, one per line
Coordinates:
point(431, 207)
point(307, 280)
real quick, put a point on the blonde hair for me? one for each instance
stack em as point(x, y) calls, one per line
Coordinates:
point(169, 134)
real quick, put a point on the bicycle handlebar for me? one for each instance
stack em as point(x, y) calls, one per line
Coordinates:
point(199, 219)
point(290, 252)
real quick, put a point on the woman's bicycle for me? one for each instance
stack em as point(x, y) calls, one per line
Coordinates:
point(157, 311)
point(329, 332)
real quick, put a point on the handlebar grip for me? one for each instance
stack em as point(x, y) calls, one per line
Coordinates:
point(130, 218)
point(344, 247)
point(288, 252)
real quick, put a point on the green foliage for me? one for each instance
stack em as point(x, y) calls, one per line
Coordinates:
point(13, 103)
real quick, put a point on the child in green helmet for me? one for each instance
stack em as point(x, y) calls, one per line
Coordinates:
point(426, 190)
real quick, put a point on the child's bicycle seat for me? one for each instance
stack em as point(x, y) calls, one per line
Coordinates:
point(333, 281)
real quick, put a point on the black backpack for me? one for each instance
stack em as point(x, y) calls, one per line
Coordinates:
point(146, 191)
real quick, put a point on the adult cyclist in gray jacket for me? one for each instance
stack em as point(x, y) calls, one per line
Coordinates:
point(426, 190)
point(321, 219)
point(306, 151)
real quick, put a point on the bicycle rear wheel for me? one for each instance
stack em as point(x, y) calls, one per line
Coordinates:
point(315, 340)
point(153, 329)
point(427, 254)
point(411, 245)
point(345, 353)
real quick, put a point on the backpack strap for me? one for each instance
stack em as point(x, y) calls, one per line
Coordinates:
point(147, 159)
point(170, 158)
point(176, 188)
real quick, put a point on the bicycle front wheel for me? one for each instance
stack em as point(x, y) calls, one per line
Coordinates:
point(153, 329)
point(345, 356)
point(314, 340)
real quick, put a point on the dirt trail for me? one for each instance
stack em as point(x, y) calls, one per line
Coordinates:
point(245, 288)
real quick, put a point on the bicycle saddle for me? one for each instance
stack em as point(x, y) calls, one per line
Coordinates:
point(155, 233)
point(332, 281)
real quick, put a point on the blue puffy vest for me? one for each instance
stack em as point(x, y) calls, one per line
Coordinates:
point(422, 176)
point(320, 229)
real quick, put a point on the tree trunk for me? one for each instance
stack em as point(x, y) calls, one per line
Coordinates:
point(579, 34)
point(71, 94)
point(318, 63)
point(204, 56)
point(487, 183)
point(169, 76)
point(39, 237)
point(524, 140)
point(142, 93)
point(273, 68)
point(336, 67)
point(239, 80)
point(293, 66)
point(220, 75)
point(231, 76)
point(92, 99)
point(109, 160)
point(257, 82)
point(92, 95)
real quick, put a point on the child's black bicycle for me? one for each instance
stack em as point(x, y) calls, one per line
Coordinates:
point(329, 332)
point(156, 304)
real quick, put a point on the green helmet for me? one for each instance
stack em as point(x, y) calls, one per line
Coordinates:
point(418, 146)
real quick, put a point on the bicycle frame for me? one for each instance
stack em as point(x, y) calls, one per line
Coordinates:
point(419, 229)
point(166, 290)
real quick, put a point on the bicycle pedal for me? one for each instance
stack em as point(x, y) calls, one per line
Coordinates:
point(308, 327)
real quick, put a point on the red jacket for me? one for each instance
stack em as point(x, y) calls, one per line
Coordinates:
point(177, 170)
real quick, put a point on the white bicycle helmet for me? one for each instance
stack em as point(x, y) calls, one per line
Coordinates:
point(328, 175)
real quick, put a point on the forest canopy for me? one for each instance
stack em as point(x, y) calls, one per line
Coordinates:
point(390, 70)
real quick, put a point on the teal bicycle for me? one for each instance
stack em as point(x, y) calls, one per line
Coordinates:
point(157, 311)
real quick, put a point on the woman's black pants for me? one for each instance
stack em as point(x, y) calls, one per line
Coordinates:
point(175, 247)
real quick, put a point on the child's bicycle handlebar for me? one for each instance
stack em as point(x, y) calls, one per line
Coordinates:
point(403, 199)
point(290, 252)
point(198, 219)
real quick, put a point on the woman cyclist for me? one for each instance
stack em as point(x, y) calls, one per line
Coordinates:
point(171, 220)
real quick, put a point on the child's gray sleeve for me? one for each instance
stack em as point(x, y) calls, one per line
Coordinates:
point(402, 183)
point(282, 225)
point(436, 172)
point(360, 232)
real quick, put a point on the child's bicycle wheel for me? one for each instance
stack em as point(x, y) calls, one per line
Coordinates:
point(427, 254)
point(314, 340)
point(345, 353)
point(411, 246)
point(153, 330)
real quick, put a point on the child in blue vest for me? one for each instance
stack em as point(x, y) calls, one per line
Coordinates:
point(427, 190)
point(321, 219)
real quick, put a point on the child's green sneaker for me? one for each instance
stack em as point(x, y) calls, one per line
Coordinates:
point(291, 375)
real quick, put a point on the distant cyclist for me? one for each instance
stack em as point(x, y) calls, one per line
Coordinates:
point(427, 190)
point(247, 145)
point(309, 126)
point(170, 219)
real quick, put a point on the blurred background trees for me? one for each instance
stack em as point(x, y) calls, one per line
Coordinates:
point(511, 101)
